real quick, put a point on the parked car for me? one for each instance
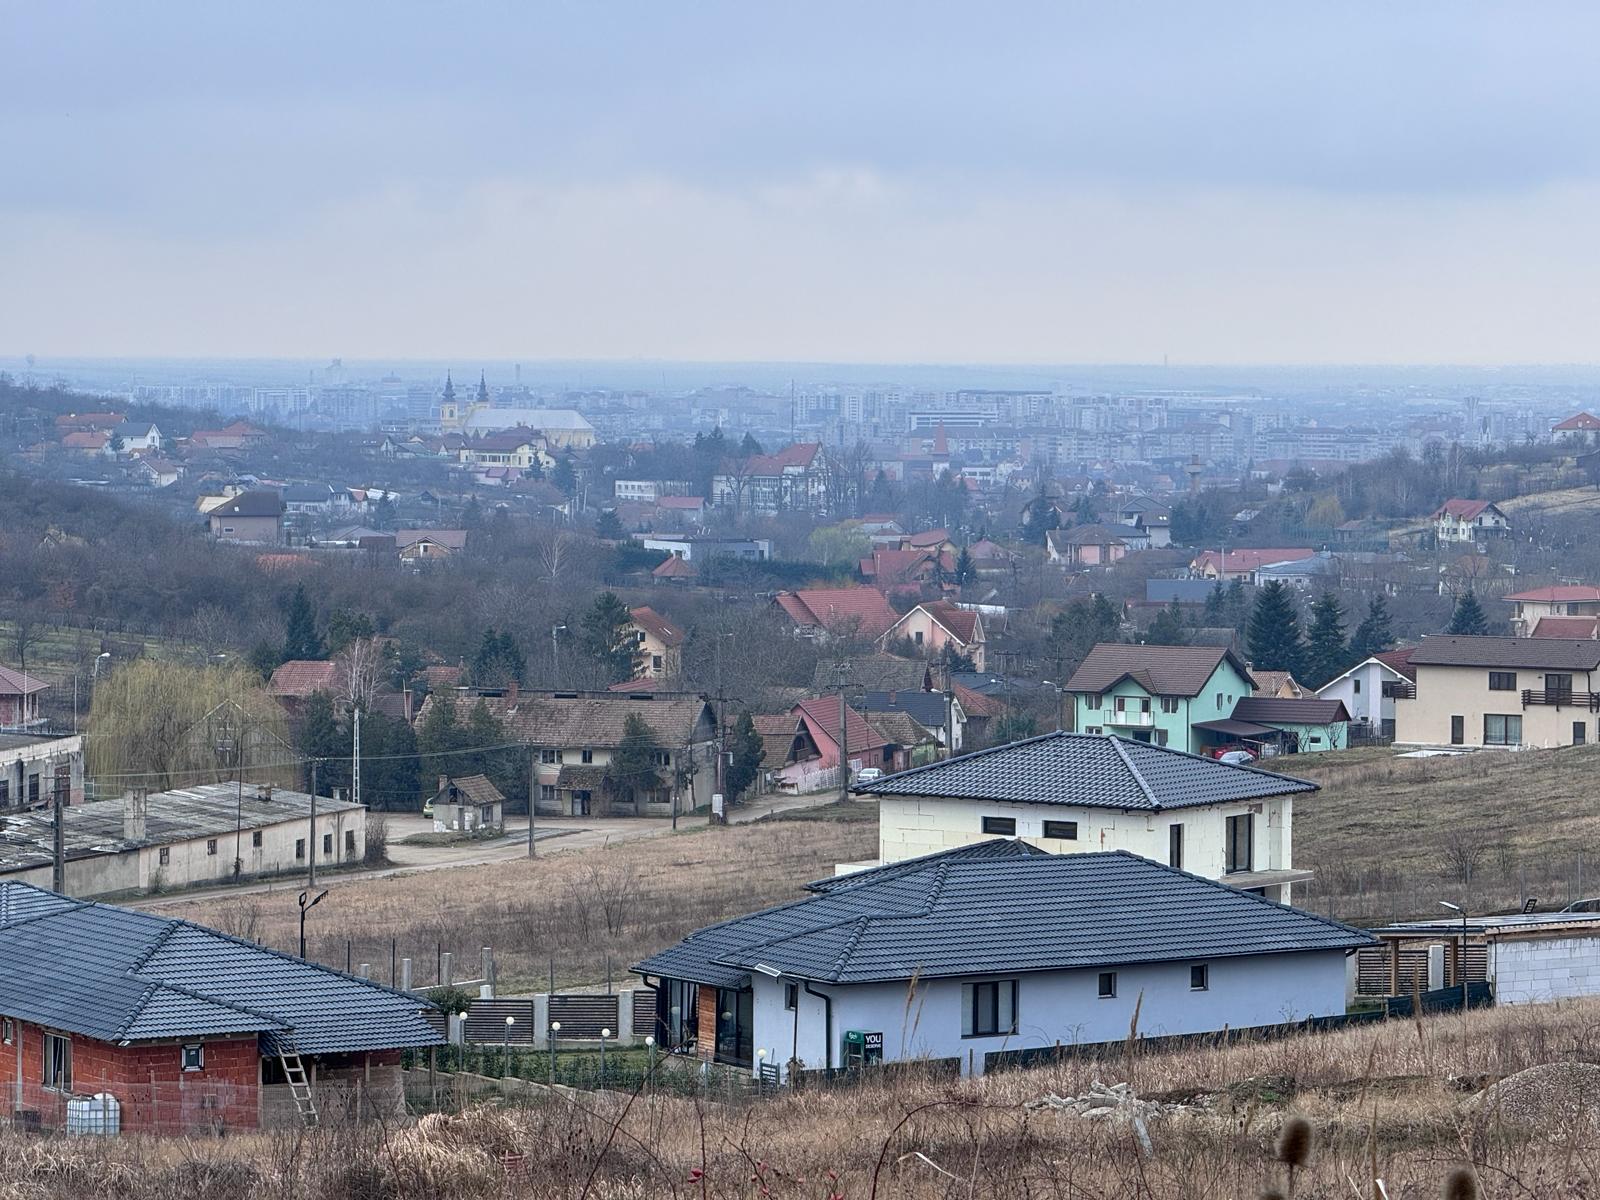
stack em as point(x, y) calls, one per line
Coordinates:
point(1237, 758)
point(868, 774)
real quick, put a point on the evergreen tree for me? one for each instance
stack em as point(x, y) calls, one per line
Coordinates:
point(606, 636)
point(1168, 628)
point(632, 768)
point(265, 658)
point(965, 571)
point(1327, 653)
point(609, 526)
point(321, 737)
point(1238, 608)
point(1468, 619)
point(499, 662)
point(1274, 633)
point(1042, 518)
point(389, 765)
point(472, 515)
point(300, 640)
point(1373, 635)
point(438, 735)
point(749, 447)
point(564, 477)
point(1217, 606)
point(345, 626)
point(747, 751)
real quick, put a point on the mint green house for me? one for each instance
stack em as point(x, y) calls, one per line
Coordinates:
point(1159, 694)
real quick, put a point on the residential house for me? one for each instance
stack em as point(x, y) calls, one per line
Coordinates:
point(238, 435)
point(1567, 627)
point(516, 449)
point(660, 641)
point(19, 699)
point(206, 834)
point(158, 472)
point(1166, 695)
point(1369, 690)
point(863, 746)
point(1102, 942)
point(94, 422)
point(1243, 563)
point(1581, 429)
point(675, 570)
point(796, 478)
point(940, 714)
point(989, 557)
point(1274, 683)
point(692, 547)
point(1150, 518)
point(897, 570)
point(1458, 520)
point(1071, 793)
point(35, 766)
point(296, 681)
point(935, 628)
point(574, 735)
point(468, 805)
point(917, 743)
point(255, 518)
point(1088, 545)
point(313, 498)
point(87, 442)
point(856, 614)
point(1287, 725)
point(137, 437)
point(184, 1029)
point(790, 760)
point(931, 541)
point(681, 511)
point(1562, 600)
point(429, 545)
point(1315, 570)
point(1501, 692)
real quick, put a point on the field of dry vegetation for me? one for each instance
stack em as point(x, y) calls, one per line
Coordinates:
point(577, 908)
point(1388, 1102)
point(1389, 837)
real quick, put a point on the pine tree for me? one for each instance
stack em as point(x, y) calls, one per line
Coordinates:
point(749, 447)
point(607, 639)
point(1217, 605)
point(1274, 632)
point(564, 477)
point(499, 662)
point(1168, 628)
point(965, 571)
point(300, 640)
point(632, 767)
point(1042, 518)
point(322, 738)
point(747, 751)
point(1327, 653)
point(1468, 619)
point(1373, 635)
point(389, 764)
point(608, 526)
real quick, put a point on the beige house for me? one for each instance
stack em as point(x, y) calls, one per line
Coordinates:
point(1564, 600)
point(1072, 792)
point(1460, 520)
point(415, 545)
point(933, 625)
point(519, 448)
point(252, 517)
point(1501, 692)
point(660, 644)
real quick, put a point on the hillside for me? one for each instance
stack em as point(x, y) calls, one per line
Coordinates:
point(1390, 837)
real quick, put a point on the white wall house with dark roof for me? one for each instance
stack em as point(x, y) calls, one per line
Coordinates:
point(934, 960)
point(1502, 692)
point(1073, 793)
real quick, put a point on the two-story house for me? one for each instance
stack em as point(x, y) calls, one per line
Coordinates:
point(1501, 691)
point(660, 643)
point(1369, 690)
point(1242, 564)
point(1071, 792)
point(1160, 694)
point(795, 479)
point(1458, 520)
point(251, 517)
point(1529, 609)
point(935, 625)
point(1092, 545)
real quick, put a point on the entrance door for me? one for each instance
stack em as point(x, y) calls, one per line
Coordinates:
point(735, 1026)
point(1580, 732)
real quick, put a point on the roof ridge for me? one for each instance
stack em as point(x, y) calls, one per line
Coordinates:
point(849, 948)
point(160, 985)
point(1138, 778)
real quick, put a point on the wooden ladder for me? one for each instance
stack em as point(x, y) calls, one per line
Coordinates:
point(294, 1072)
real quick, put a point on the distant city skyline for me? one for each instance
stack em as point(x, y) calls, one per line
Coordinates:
point(1029, 184)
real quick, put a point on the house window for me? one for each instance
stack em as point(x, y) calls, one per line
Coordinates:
point(1159, 737)
point(211, 846)
point(661, 758)
point(989, 1009)
point(1169, 704)
point(1108, 984)
point(1458, 730)
point(1094, 729)
point(1005, 826)
point(163, 856)
point(791, 996)
point(1355, 685)
point(917, 637)
point(655, 662)
point(327, 843)
point(349, 841)
point(255, 839)
point(587, 756)
point(1499, 730)
point(547, 757)
point(1200, 978)
point(300, 849)
point(194, 1057)
point(33, 789)
point(1095, 701)
point(57, 1063)
point(1241, 843)
point(547, 792)
point(1067, 831)
point(1175, 846)
point(1502, 681)
point(8, 1031)
point(1558, 689)
point(1580, 732)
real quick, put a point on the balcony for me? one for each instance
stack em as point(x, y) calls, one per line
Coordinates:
point(1142, 720)
point(1395, 690)
point(1589, 701)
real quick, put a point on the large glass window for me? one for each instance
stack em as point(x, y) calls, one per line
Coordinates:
point(1241, 843)
point(1502, 730)
point(989, 1009)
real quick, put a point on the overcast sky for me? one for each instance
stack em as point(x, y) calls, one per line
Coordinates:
point(866, 182)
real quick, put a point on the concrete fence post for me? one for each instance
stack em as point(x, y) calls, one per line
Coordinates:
point(447, 975)
point(405, 974)
point(625, 1017)
point(1435, 968)
point(541, 1018)
point(364, 970)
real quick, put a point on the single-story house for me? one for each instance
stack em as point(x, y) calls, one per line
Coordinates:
point(936, 960)
point(470, 804)
point(857, 614)
point(187, 1030)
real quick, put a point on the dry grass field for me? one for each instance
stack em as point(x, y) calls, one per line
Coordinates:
point(1385, 1102)
point(577, 907)
point(1389, 837)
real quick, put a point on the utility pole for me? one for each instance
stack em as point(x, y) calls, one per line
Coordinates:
point(311, 842)
point(533, 783)
point(58, 868)
point(355, 758)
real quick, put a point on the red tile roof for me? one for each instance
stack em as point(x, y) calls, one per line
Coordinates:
point(675, 568)
point(928, 538)
point(15, 683)
point(821, 716)
point(975, 703)
point(890, 565)
point(960, 621)
point(1251, 559)
point(1462, 510)
point(1559, 594)
point(653, 623)
point(1399, 661)
point(800, 455)
point(1566, 627)
point(1578, 422)
point(861, 611)
point(300, 677)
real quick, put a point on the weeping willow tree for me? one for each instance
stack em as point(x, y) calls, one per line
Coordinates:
point(163, 725)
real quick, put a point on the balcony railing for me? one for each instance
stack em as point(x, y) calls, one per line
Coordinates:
point(1394, 690)
point(1130, 718)
point(1563, 699)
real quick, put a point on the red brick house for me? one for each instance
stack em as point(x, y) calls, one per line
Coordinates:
point(185, 1028)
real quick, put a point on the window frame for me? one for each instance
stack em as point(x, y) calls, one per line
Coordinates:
point(983, 1006)
point(57, 1051)
point(8, 1031)
point(791, 996)
point(163, 856)
point(256, 839)
point(1175, 845)
point(1506, 724)
point(1070, 826)
point(1200, 977)
point(299, 849)
point(198, 1052)
point(1458, 729)
point(1169, 704)
point(1231, 859)
point(211, 847)
point(985, 822)
point(1497, 681)
point(1106, 985)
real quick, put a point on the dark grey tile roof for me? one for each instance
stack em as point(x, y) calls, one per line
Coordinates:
point(974, 851)
point(1087, 770)
point(925, 708)
point(1000, 915)
point(117, 974)
point(1556, 654)
point(1163, 670)
point(1282, 710)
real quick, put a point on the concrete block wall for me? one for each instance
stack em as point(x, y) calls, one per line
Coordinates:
point(1538, 970)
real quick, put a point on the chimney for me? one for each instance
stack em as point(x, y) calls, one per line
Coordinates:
point(134, 807)
point(444, 782)
point(511, 693)
point(264, 793)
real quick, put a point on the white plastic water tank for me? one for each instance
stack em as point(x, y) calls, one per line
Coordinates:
point(99, 1115)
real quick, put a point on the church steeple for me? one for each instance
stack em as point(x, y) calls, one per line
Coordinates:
point(483, 390)
point(449, 388)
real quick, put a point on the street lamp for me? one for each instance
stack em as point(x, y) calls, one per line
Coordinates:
point(1461, 956)
point(505, 1066)
point(1060, 701)
point(304, 907)
point(604, 1034)
point(650, 1053)
point(761, 1061)
point(555, 652)
point(461, 1033)
point(555, 1028)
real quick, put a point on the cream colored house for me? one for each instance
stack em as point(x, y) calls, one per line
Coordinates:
point(1074, 792)
point(1468, 521)
point(1501, 692)
point(1564, 600)
point(660, 654)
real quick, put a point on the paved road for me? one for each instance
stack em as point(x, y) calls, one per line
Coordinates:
point(555, 834)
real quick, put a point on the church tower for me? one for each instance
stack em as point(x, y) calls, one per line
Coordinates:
point(449, 417)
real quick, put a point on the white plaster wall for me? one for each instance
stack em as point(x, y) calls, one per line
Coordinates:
point(1533, 971)
point(911, 826)
point(1056, 1007)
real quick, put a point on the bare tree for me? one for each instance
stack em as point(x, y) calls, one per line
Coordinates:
point(362, 667)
